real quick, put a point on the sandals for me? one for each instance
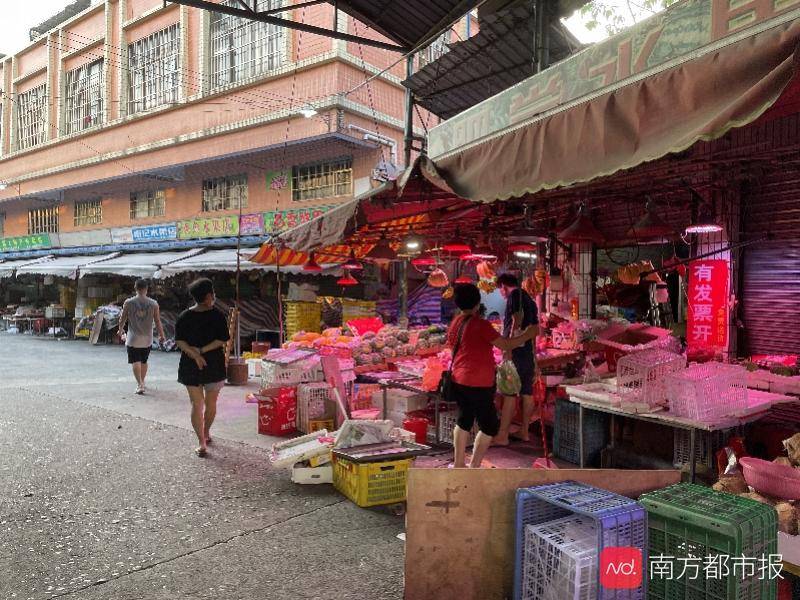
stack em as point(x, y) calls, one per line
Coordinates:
point(201, 452)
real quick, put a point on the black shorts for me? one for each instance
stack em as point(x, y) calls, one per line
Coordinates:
point(138, 355)
point(526, 369)
point(476, 403)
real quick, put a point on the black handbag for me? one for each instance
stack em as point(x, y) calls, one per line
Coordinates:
point(446, 383)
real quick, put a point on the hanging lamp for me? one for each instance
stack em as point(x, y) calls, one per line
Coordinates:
point(457, 246)
point(352, 263)
point(706, 220)
point(582, 229)
point(463, 279)
point(311, 265)
point(347, 280)
point(651, 226)
point(412, 243)
point(382, 251)
point(482, 252)
point(426, 259)
point(525, 234)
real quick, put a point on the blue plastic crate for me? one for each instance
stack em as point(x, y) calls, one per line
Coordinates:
point(620, 522)
point(566, 443)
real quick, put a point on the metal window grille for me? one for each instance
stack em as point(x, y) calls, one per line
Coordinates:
point(324, 180)
point(83, 104)
point(241, 48)
point(435, 50)
point(32, 117)
point(225, 193)
point(43, 220)
point(154, 70)
point(89, 212)
point(147, 204)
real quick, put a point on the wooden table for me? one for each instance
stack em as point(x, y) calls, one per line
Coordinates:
point(759, 403)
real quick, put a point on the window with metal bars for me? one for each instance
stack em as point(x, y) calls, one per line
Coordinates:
point(88, 212)
point(147, 204)
point(83, 101)
point(435, 50)
point(323, 180)
point(242, 48)
point(32, 117)
point(154, 70)
point(43, 220)
point(225, 193)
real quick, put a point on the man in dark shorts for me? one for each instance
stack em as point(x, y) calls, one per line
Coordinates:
point(140, 313)
point(521, 313)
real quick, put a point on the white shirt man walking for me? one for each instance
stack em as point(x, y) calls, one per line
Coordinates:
point(140, 313)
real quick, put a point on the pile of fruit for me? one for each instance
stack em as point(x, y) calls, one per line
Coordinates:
point(333, 337)
point(393, 342)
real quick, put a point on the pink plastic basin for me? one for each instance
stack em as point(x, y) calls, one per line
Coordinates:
point(771, 479)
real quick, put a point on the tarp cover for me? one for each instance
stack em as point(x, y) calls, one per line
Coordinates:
point(220, 260)
point(138, 264)
point(7, 267)
point(701, 98)
point(62, 266)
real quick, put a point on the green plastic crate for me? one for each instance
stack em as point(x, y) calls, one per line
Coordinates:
point(692, 521)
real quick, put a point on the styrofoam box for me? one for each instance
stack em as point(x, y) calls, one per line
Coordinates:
point(312, 475)
point(400, 400)
point(253, 367)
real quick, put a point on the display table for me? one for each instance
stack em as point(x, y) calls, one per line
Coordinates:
point(758, 404)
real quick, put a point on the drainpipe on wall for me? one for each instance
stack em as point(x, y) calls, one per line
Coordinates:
point(374, 137)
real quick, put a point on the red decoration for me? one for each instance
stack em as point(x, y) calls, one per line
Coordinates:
point(707, 321)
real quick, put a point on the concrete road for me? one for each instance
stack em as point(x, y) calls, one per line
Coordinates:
point(101, 496)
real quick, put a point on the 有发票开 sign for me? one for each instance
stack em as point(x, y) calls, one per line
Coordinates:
point(707, 320)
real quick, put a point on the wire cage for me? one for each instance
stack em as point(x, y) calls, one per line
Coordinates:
point(311, 404)
point(708, 391)
point(560, 560)
point(641, 376)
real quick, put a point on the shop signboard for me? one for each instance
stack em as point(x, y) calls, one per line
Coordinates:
point(154, 233)
point(209, 227)
point(281, 220)
point(707, 317)
point(26, 242)
point(91, 237)
point(655, 42)
point(251, 224)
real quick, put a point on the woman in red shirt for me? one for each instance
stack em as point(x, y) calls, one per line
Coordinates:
point(473, 373)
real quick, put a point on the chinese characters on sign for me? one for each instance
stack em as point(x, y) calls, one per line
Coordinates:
point(716, 567)
point(25, 242)
point(167, 231)
point(707, 319)
point(251, 224)
point(281, 220)
point(224, 226)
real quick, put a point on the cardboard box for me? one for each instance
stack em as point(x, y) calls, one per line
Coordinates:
point(312, 475)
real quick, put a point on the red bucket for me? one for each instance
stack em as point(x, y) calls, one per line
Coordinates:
point(419, 427)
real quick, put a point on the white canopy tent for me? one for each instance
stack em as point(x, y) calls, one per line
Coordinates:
point(138, 264)
point(63, 266)
point(8, 267)
point(222, 260)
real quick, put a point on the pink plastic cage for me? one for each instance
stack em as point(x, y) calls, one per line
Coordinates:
point(707, 392)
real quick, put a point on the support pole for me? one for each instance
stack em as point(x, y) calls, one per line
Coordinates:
point(403, 320)
point(409, 124)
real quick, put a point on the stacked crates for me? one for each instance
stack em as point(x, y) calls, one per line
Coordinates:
point(566, 442)
point(303, 316)
point(617, 521)
point(691, 524)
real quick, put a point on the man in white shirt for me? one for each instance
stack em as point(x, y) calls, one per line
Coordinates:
point(140, 313)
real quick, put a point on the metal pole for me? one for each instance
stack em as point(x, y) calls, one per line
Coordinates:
point(409, 124)
point(403, 320)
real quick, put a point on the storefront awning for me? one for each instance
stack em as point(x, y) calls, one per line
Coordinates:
point(222, 260)
point(63, 266)
point(137, 264)
point(538, 135)
point(9, 267)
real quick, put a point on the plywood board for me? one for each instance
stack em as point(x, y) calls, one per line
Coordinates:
point(94, 336)
point(460, 524)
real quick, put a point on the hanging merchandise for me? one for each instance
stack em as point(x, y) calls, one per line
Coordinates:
point(438, 279)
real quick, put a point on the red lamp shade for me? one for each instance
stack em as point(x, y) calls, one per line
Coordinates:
point(311, 265)
point(352, 263)
point(705, 222)
point(581, 230)
point(650, 226)
point(382, 251)
point(347, 281)
point(463, 279)
point(424, 260)
point(521, 247)
point(482, 253)
point(457, 246)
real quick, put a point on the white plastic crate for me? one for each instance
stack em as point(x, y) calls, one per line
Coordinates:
point(253, 367)
point(560, 560)
point(707, 392)
point(311, 403)
point(400, 400)
point(277, 375)
point(641, 376)
point(447, 422)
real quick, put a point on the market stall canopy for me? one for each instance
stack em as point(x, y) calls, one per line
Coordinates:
point(63, 266)
point(9, 267)
point(671, 81)
point(219, 260)
point(137, 264)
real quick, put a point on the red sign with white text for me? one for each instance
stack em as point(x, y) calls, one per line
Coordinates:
point(707, 320)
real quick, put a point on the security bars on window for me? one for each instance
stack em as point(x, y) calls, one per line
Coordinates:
point(89, 212)
point(322, 180)
point(32, 117)
point(147, 204)
point(241, 48)
point(83, 104)
point(225, 193)
point(154, 70)
point(43, 220)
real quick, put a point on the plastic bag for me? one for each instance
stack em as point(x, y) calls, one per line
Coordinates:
point(508, 382)
point(432, 374)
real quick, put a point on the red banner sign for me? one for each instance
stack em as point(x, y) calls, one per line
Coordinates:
point(707, 321)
